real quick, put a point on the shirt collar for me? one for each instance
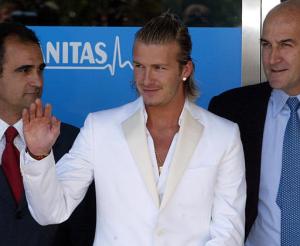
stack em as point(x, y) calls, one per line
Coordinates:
point(185, 106)
point(18, 125)
point(278, 101)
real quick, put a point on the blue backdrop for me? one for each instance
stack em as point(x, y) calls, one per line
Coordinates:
point(90, 68)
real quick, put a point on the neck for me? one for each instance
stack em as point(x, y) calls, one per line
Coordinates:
point(161, 117)
point(10, 117)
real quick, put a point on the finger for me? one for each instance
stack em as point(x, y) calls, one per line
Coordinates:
point(55, 123)
point(55, 127)
point(48, 111)
point(39, 108)
point(25, 117)
point(32, 111)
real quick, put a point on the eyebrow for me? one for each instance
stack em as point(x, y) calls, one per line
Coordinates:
point(287, 40)
point(41, 66)
point(263, 40)
point(23, 67)
point(154, 64)
point(280, 41)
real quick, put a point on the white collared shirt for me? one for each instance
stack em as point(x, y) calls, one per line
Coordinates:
point(18, 141)
point(162, 174)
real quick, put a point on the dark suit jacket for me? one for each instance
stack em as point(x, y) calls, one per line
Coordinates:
point(18, 228)
point(247, 106)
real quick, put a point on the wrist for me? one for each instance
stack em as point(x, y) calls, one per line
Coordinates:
point(37, 157)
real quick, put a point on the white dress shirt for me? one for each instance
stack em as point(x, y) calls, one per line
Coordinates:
point(162, 174)
point(18, 141)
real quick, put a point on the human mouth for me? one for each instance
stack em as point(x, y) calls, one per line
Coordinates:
point(278, 70)
point(150, 91)
point(276, 76)
point(33, 93)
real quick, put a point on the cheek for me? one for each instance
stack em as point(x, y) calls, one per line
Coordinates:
point(137, 80)
point(138, 75)
point(175, 85)
point(265, 58)
point(297, 68)
point(10, 90)
point(294, 61)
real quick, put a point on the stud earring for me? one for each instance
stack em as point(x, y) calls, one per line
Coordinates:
point(184, 78)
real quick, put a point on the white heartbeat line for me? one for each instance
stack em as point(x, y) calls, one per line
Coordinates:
point(110, 67)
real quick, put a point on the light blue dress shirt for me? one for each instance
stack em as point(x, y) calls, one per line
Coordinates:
point(266, 229)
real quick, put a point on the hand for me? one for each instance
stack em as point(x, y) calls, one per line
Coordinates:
point(40, 128)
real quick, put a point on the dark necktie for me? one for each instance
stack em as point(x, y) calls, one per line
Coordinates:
point(288, 197)
point(10, 164)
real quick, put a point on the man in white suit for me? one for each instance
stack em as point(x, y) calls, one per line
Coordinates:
point(167, 172)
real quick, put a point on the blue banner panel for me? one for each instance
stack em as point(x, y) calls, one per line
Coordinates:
point(90, 68)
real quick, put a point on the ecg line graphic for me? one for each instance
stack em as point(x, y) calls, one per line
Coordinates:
point(117, 57)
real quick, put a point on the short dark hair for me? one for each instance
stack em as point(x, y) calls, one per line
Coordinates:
point(168, 28)
point(10, 29)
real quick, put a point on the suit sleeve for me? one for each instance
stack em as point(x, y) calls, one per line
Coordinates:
point(53, 191)
point(228, 213)
point(79, 229)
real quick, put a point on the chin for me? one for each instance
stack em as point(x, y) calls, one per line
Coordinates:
point(149, 100)
point(150, 103)
point(276, 83)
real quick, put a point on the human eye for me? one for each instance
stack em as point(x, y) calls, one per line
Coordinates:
point(23, 69)
point(137, 65)
point(160, 67)
point(286, 44)
point(265, 44)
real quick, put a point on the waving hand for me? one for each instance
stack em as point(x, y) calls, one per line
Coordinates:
point(41, 129)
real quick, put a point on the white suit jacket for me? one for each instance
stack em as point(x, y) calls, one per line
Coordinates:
point(204, 199)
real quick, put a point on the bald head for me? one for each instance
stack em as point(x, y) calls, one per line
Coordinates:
point(287, 5)
point(281, 47)
point(288, 9)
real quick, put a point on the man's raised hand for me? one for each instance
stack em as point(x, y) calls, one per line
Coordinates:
point(40, 128)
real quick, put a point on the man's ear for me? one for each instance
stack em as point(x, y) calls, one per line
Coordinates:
point(187, 70)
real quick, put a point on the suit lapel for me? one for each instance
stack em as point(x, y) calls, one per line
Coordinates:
point(188, 138)
point(135, 134)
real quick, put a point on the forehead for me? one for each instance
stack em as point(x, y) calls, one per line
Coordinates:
point(280, 26)
point(156, 53)
point(17, 51)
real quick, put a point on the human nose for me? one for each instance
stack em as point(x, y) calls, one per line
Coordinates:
point(36, 79)
point(148, 77)
point(274, 56)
